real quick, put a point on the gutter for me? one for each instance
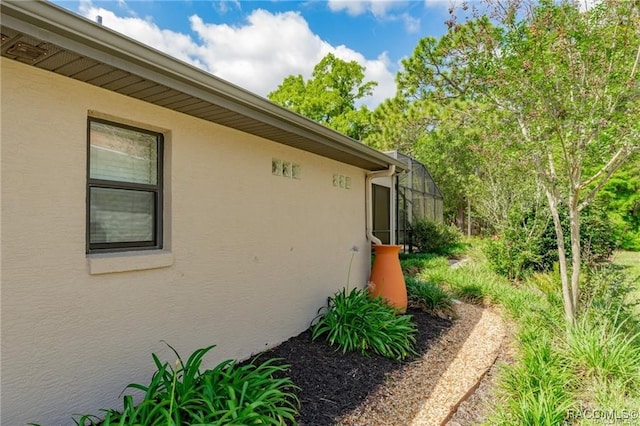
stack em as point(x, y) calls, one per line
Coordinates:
point(46, 21)
point(369, 202)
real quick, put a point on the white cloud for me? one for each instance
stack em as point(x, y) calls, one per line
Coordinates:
point(378, 70)
point(435, 3)
point(145, 31)
point(224, 6)
point(411, 24)
point(378, 8)
point(353, 8)
point(256, 55)
point(261, 53)
point(383, 10)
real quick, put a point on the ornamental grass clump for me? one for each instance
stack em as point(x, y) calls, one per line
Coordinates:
point(413, 263)
point(536, 389)
point(354, 321)
point(429, 297)
point(605, 352)
point(227, 394)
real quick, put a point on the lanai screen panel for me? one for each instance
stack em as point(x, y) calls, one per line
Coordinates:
point(417, 197)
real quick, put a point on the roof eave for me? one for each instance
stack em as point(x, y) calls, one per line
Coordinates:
point(49, 22)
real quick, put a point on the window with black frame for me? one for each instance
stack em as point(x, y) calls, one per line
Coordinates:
point(124, 187)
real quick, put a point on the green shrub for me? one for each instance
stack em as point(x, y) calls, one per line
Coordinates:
point(597, 237)
point(354, 321)
point(620, 196)
point(529, 244)
point(471, 293)
point(226, 394)
point(512, 257)
point(429, 297)
point(557, 370)
point(609, 293)
point(630, 241)
point(604, 345)
point(432, 237)
point(626, 235)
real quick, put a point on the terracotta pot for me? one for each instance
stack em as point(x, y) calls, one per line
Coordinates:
point(387, 278)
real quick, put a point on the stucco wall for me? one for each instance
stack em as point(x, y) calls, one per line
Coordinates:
point(251, 256)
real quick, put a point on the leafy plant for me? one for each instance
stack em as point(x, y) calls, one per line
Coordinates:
point(536, 387)
point(432, 237)
point(605, 351)
point(595, 363)
point(226, 394)
point(621, 198)
point(429, 297)
point(354, 321)
point(413, 263)
point(514, 258)
point(609, 293)
point(471, 293)
point(597, 237)
point(528, 244)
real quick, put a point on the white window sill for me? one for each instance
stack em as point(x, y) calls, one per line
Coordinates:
point(128, 261)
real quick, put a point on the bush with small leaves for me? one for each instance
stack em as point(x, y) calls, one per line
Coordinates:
point(432, 237)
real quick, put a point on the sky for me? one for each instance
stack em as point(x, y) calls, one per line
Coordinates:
point(257, 44)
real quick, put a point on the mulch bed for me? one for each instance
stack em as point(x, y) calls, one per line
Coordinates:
point(332, 383)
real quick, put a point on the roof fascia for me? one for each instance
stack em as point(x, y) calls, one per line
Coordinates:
point(50, 22)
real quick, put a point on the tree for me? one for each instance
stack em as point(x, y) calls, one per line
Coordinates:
point(434, 117)
point(569, 81)
point(430, 132)
point(329, 97)
point(558, 89)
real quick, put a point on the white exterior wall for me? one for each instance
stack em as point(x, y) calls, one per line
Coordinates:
point(249, 257)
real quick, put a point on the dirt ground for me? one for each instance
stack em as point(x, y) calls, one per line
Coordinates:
point(441, 385)
point(332, 383)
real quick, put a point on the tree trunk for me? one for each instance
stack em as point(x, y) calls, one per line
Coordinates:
point(567, 296)
point(460, 217)
point(468, 217)
point(576, 255)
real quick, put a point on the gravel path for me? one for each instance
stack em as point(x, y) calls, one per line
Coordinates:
point(477, 408)
point(430, 389)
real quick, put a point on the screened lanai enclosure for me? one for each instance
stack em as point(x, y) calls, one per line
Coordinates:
point(401, 201)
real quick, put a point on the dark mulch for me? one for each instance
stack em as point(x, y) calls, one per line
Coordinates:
point(332, 383)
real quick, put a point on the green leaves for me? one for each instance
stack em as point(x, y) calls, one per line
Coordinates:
point(329, 96)
point(432, 237)
point(355, 322)
point(225, 395)
point(429, 297)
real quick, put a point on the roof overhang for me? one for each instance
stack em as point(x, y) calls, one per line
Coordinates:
point(49, 37)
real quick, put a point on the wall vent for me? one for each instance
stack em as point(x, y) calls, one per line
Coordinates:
point(26, 51)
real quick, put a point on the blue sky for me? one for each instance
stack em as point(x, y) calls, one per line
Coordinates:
point(256, 44)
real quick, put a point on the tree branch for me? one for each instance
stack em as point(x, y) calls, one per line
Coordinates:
point(606, 167)
point(604, 174)
point(634, 69)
